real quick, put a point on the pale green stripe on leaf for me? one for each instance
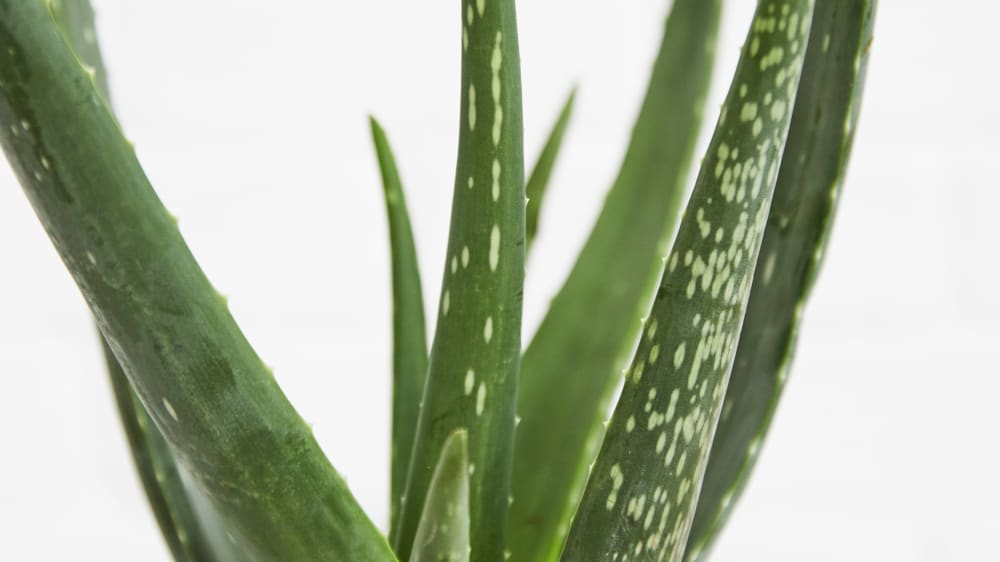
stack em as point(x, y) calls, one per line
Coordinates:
point(538, 180)
point(409, 335)
point(805, 198)
point(639, 499)
point(443, 533)
point(216, 404)
point(472, 379)
point(574, 362)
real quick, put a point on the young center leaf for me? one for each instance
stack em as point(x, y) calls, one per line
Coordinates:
point(805, 197)
point(443, 532)
point(640, 497)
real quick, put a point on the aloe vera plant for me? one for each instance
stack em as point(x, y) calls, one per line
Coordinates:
point(496, 453)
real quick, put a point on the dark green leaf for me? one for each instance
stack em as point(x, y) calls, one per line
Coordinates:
point(190, 527)
point(639, 499)
point(472, 380)
point(186, 531)
point(805, 197)
point(218, 407)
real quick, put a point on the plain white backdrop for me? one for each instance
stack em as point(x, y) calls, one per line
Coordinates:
point(250, 119)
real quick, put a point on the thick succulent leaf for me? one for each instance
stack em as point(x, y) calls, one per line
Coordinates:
point(538, 180)
point(409, 333)
point(805, 197)
point(158, 473)
point(641, 494)
point(187, 532)
point(189, 524)
point(443, 533)
point(216, 404)
point(472, 380)
point(573, 364)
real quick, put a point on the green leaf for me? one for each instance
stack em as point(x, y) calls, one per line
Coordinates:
point(158, 473)
point(409, 336)
point(443, 533)
point(76, 22)
point(191, 528)
point(538, 180)
point(640, 496)
point(805, 197)
point(574, 363)
point(218, 407)
point(472, 380)
point(186, 529)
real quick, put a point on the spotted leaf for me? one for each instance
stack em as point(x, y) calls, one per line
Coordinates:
point(641, 493)
point(191, 529)
point(805, 197)
point(218, 407)
point(472, 379)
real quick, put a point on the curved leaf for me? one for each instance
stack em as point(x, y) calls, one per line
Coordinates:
point(472, 380)
point(180, 521)
point(574, 362)
point(409, 335)
point(641, 494)
point(216, 404)
point(443, 533)
point(805, 197)
point(538, 180)
point(192, 530)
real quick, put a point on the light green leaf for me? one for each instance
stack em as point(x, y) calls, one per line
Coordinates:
point(640, 496)
point(538, 180)
point(805, 197)
point(472, 380)
point(216, 404)
point(443, 533)
point(574, 362)
point(409, 336)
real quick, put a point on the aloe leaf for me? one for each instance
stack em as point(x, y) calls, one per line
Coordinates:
point(409, 336)
point(472, 379)
point(191, 528)
point(443, 533)
point(187, 537)
point(805, 197)
point(583, 342)
point(538, 180)
point(641, 493)
point(158, 473)
point(217, 405)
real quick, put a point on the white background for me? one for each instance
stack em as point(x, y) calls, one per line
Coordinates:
point(250, 120)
